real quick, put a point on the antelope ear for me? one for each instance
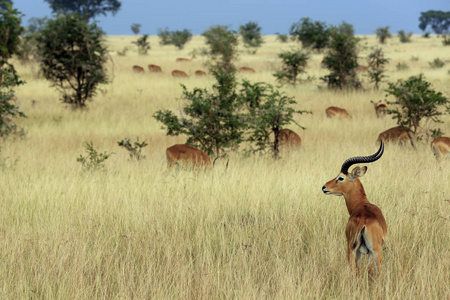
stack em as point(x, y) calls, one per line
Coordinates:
point(357, 172)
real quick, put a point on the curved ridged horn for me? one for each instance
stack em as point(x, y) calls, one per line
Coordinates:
point(362, 159)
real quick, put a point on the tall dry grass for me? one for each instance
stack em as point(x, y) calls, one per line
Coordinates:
point(260, 229)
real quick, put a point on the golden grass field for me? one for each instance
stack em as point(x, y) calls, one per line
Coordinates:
point(262, 229)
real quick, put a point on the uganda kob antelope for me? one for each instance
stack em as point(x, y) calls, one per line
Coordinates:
point(337, 112)
point(187, 156)
point(366, 228)
point(380, 109)
point(440, 147)
point(396, 134)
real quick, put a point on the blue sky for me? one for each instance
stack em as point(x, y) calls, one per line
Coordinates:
point(272, 15)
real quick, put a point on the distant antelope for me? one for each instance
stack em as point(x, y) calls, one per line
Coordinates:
point(187, 156)
point(289, 139)
point(154, 68)
point(366, 228)
point(440, 147)
point(396, 134)
point(178, 73)
point(246, 69)
point(380, 109)
point(200, 73)
point(138, 69)
point(181, 59)
point(338, 112)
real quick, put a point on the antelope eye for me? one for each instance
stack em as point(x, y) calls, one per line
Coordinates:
point(340, 178)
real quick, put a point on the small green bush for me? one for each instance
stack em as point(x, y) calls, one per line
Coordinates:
point(134, 148)
point(94, 160)
point(437, 63)
point(402, 66)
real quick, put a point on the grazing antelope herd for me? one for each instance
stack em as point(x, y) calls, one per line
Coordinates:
point(366, 228)
point(138, 69)
point(396, 134)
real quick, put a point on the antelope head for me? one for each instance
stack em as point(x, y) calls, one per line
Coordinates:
point(345, 182)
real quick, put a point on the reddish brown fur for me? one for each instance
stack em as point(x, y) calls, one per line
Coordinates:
point(290, 139)
point(362, 213)
point(247, 69)
point(200, 73)
point(181, 59)
point(440, 147)
point(138, 69)
point(154, 68)
point(380, 109)
point(187, 156)
point(178, 73)
point(396, 134)
point(338, 112)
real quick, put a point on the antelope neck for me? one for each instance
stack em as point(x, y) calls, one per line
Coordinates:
point(355, 196)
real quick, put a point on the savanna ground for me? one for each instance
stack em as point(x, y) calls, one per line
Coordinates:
point(260, 229)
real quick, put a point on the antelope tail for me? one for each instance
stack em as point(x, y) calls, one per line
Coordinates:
point(364, 245)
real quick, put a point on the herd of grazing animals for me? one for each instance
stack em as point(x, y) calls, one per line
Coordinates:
point(366, 228)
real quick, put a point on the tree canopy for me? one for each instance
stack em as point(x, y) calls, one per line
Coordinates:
point(86, 8)
point(439, 21)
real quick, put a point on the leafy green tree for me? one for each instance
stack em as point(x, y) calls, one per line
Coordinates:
point(210, 119)
point(136, 28)
point(311, 34)
point(142, 44)
point(383, 34)
point(10, 32)
point(222, 47)
point(179, 38)
point(404, 37)
point(269, 111)
point(439, 21)
point(86, 8)
point(342, 59)
point(377, 61)
point(293, 64)
point(8, 108)
point(415, 101)
point(4, 4)
point(251, 35)
point(164, 36)
point(73, 57)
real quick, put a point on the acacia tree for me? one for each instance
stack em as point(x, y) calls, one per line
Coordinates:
point(251, 35)
point(222, 47)
point(311, 34)
point(415, 101)
point(4, 4)
point(377, 61)
point(10, 31)
point(268, 112)
point(383, 34)
point(293, 64)
point(86, 8)
point(136, 28)
point(73, 57)
point(342, 58)
point(210, 118)
point(439, 21)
